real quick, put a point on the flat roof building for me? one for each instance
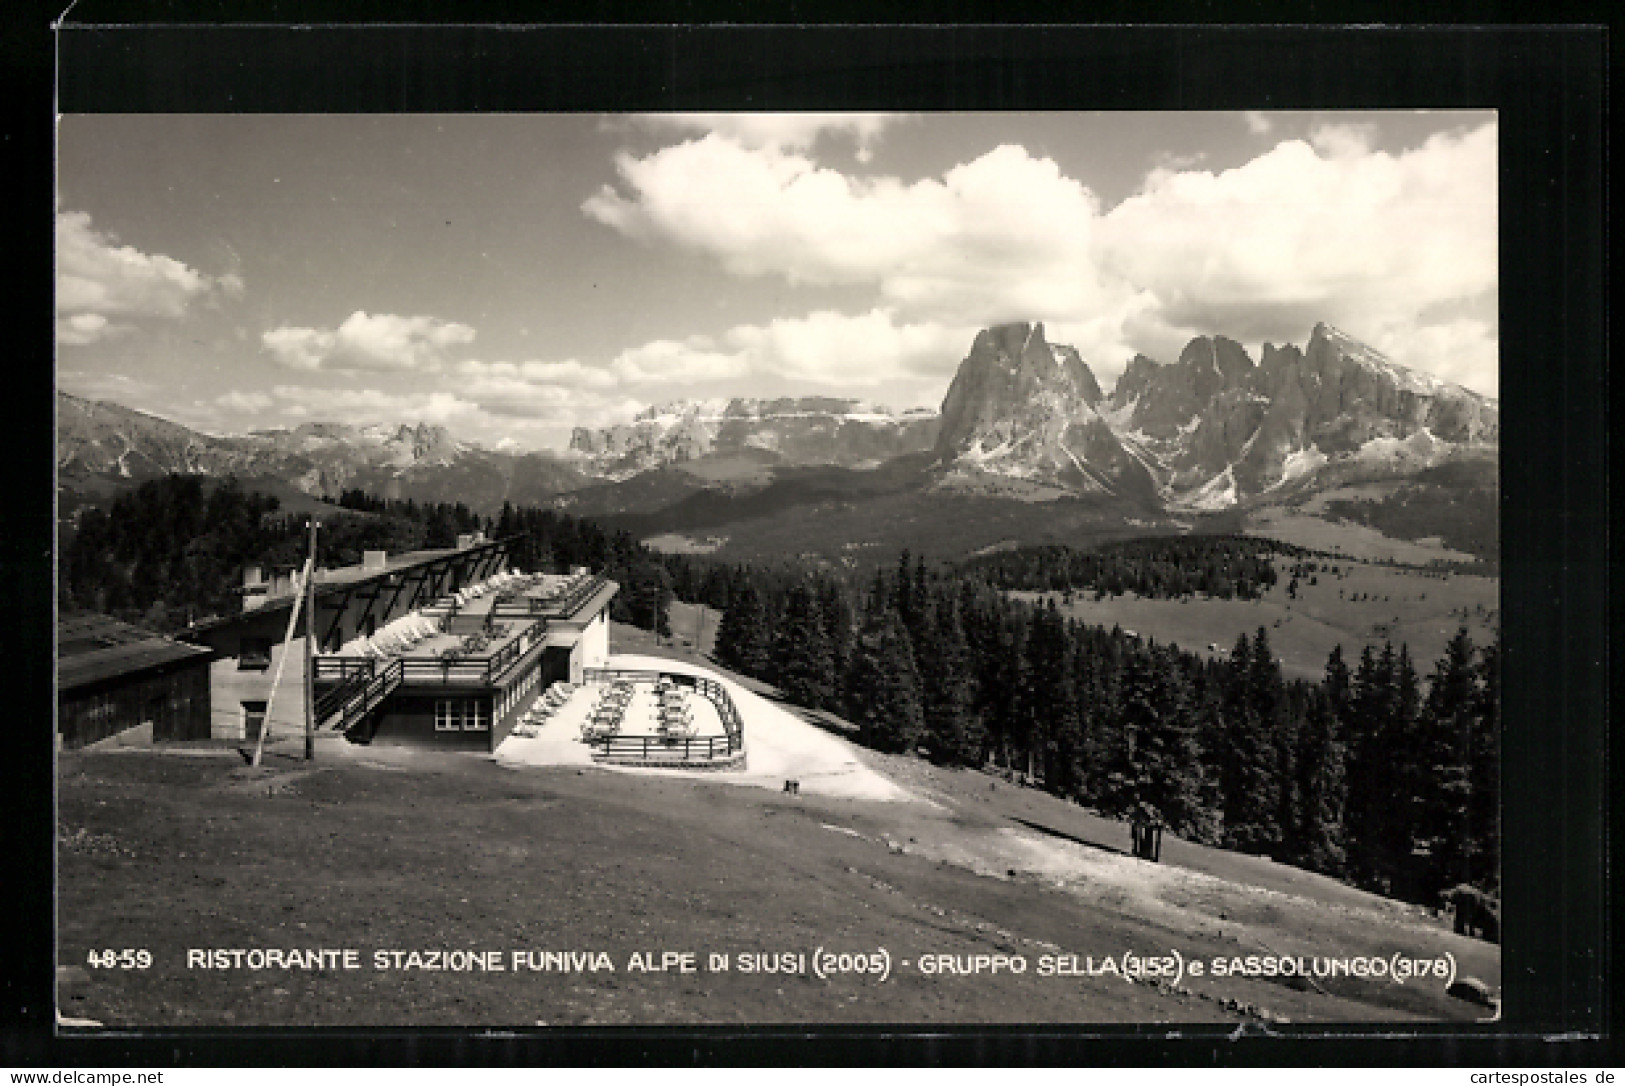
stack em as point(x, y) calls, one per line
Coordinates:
point(461, 672)
point(436, 647)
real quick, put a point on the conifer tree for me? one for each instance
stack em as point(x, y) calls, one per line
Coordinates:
point(1248, 755)
point(1153, 773)
point(1485, 767)
point(803, 666)
point(742, 635)
point(884, 687)
point(1047, 728)
point(1446, 732)
point(1319, 788)
point(952, 732)
point(836, 610)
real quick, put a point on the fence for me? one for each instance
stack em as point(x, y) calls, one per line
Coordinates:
point(565, 603)
point(732, 724)
point(654, 749)
point(357, 694)
point(477, 670)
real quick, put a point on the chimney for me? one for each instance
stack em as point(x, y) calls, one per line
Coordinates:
point(255, 588)
point(373, 560)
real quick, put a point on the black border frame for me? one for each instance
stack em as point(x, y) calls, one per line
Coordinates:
point(1550, 87)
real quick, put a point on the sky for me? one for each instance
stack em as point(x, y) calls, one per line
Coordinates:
point(512, 276)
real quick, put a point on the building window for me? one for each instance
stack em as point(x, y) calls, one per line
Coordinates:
point(254, 654)
point(448, 716)
point(460, 714)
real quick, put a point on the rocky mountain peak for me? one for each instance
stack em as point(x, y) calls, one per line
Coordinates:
point(1212, 429)
point(1021, 408)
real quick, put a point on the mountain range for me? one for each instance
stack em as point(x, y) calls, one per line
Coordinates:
point(1023, 419)
point(1210, 431)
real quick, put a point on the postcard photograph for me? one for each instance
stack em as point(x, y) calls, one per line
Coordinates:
point(547, 570)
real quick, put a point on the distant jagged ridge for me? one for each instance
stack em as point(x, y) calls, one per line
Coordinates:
point(99, 440)
point(791, 431)
point(1210, 431)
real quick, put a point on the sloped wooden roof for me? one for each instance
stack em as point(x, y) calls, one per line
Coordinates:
point(92, 648)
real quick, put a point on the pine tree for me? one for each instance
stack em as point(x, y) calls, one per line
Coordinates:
point(1445, 731)
point(803, 666)
point(1248, 761)
point(952, 732)
point(836, 611)
point(742, 635)
point(1320, 789)
point(1153, 772)
point(1485, 774)
point(1047, 729)
point(884, 688)
point(997, 651)
point(1370, 815)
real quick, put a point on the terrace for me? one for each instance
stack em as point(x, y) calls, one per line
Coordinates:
point(473, 635)
point(472, 638)
point(637, 717)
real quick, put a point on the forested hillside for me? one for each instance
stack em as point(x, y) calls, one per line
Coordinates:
point(1376, 773)
point(1225, 566)
point(173, 550)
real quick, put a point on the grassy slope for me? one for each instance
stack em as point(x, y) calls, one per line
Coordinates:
point(1409, 606)
point(411, 850)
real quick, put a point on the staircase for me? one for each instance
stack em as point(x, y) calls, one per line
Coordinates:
point(348, 703)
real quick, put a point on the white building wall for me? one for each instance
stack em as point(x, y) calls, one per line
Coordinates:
point(229, 687)
point(595, 641)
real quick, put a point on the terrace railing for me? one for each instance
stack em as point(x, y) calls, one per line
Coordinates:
point(654, 749)
point(461, 670)
point(567, 603)
point(732, 723)
point(360, 690)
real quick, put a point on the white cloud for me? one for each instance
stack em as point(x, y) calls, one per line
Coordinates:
point(779, 131)
point(382, 342)
point(490, 410)
point(371, 405)
point(827, 349)
point(1366, 240)
point(298, 348)
point(1004, 237)
point(670, 362)
point(831, 348)
point(1325, 229)
point(1465, 350)
point(93, 385)
point(1258, 122)
point(96, 278)
point(245, 402)
point(571, 373)
point(83, 328)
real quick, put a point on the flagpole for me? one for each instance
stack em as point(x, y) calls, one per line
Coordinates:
point(310, 648)
point(276, 679)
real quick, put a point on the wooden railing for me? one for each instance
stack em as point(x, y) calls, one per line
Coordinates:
point(655, 749)
point(732, 723)
point(565, 604)
point(359, 692)
point(482, 670)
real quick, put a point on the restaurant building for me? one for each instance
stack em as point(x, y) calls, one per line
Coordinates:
point(438, 648)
